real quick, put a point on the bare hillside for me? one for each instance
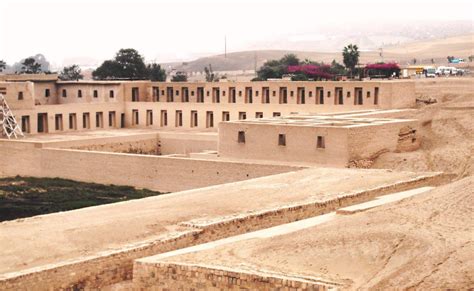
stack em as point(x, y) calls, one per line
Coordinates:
point(446, 130)
point(423, 51)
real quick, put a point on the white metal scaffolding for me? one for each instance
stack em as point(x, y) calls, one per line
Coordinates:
point(8, 125)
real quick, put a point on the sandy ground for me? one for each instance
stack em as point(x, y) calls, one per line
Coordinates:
point(39, 240)
point(446, 129)
point(423, 242)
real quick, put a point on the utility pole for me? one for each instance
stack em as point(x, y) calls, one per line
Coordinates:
point(255, 63)
point(225, 46)
point(381, 53)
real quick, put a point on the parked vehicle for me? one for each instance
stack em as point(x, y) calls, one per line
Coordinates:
point(429, 71)
point(447, 71)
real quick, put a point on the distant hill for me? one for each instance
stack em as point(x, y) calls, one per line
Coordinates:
point(39, 58)
point(423, 51)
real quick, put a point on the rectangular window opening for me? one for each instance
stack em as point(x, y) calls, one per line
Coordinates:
point(376, 96)
point(283, 95)
point(241, 137)
point(225, 116)
point(72, 121)
point(319, 95)
point(25, 124)
point(58, 121)
point(99, 120)
point(135, 117)
point(135, 94)
point(179, 118)
point(209, 119)
point(149, 117)
point(301, 96)
point(321, 144)
point(86, 124)
point(282, 139)
point(164, 118)
point(111, 118)
point(42, 122)
point(194, 118)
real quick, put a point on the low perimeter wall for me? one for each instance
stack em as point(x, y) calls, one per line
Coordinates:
point(167, 174)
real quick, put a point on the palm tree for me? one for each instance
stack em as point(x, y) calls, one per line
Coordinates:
point(350, 56)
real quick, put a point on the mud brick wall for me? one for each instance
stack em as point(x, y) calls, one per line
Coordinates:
point(171, 276)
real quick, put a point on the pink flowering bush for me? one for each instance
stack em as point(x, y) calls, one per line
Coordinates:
point(312, 71)
point(383, 69)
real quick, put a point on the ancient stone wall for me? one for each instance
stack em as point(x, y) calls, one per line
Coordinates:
point(367, 143)
point(148, 146)
point(171, 276)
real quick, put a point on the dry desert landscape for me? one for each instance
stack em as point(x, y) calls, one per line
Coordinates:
point(235, 145)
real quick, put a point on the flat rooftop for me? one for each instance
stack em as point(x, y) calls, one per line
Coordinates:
point(321, 121)
point(48, 239)
point(93, 134)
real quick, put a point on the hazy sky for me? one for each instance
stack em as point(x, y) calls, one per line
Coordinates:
point(166, 30)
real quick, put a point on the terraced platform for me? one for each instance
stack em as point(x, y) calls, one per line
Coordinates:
point(96, 246)
point(414, 239)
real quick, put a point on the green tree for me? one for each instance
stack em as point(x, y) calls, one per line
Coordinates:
point(179, 77)
point(350, 57)
point(275, 69)
point(156, 73)
point(3, 65)
point(271, 69)
point(108, 70)
point(30, 66)
point(290, 60)
point(210, 75)
point(299, 77)
point(71, 73)
point(337, 69)
point(127, 64)
point(132, 64)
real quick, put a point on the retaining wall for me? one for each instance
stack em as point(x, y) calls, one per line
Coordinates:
point(171, 276)
point(168, 174)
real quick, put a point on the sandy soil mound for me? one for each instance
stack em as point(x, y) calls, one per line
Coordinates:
point(446, 130)
point(424, 242)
